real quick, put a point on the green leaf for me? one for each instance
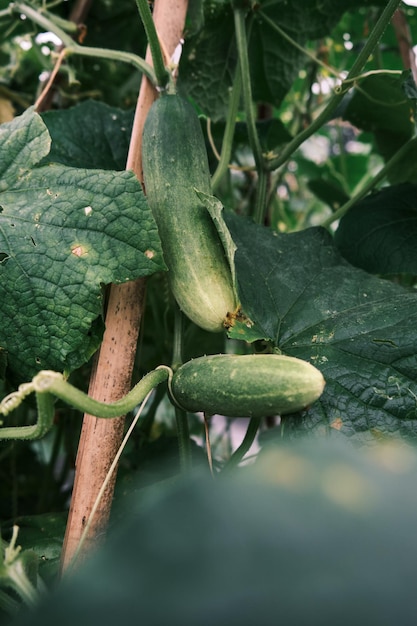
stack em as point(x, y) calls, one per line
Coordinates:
point(24, 141)
point(360, 331)
point(382, 105)
point(215, 208)
point(328, 192)
point(43, 535)
point(91, 135)
point(64, 232)
point(332, 180)
point(379, 103)
point(379, 233)
point(209, 59)
point(275, 62)
point(326, 525)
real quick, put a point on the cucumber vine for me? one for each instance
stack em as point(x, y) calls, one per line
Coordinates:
point(48, 385)
point(43, 19)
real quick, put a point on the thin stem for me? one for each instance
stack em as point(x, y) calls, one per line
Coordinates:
point(208, 444)
point(80, 400)
point(66, 25)
point(73, 48)
point(114, 55)
point(229, 130)
point(178, 338)
point(45, 407)
point(398, 156)
point(244, 447)
point(51, 79)
point(6, 12)
point(261, 196)
point(337, 97)
point(242, 48)
point(47, 384)
point(161, 74)
point(14, 565)
point(183, 435)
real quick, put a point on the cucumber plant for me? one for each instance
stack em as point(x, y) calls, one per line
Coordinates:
point(263, 317)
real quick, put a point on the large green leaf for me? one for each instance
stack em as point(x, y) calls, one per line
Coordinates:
point(208, 61)
point(312, 534)
point(360, 331)
point(91, 135)
point(64, 232)
point(379, 233)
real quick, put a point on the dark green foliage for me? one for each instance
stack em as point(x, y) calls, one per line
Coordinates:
point(312, 532)
point(379, 233)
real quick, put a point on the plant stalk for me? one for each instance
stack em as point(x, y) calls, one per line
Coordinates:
point(248, 440)
point(242, 48)
point(229, 130)
point(161, 74)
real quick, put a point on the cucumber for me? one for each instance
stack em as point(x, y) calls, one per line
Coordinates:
point(175, 165)
point(253, 385)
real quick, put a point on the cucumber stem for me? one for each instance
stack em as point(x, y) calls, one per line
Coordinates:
point(255, 144)
point(183, 435)
point(229, 130)
point(248, 440)
point(161, 74)
point(48, 384)
point(71, 47)
point(178, 338)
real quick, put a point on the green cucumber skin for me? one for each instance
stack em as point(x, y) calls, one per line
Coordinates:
point(174, 165)
point(255, 385)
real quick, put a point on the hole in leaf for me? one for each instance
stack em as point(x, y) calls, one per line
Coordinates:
point(4, 258)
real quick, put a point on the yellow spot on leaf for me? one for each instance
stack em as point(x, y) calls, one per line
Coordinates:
point(149, 254)
point(79, 250)
point(337, 423)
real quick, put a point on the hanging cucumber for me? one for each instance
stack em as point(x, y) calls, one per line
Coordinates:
point(250, 385)
point(174, 166)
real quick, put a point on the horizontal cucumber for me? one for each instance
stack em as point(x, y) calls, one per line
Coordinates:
point(174, 166)
point(255, 385)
